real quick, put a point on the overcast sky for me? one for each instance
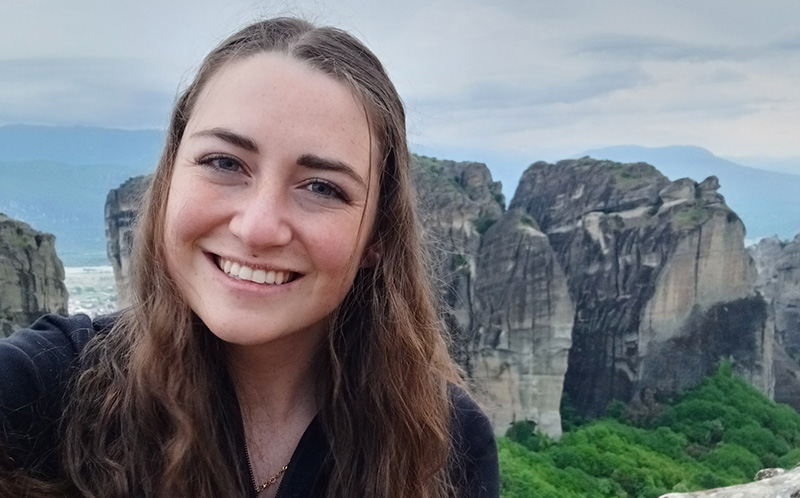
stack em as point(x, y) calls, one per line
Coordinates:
point(506, 82)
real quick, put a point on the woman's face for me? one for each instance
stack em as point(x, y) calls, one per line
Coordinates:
point(271, 201)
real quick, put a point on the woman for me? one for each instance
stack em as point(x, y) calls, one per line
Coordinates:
point(283, 340)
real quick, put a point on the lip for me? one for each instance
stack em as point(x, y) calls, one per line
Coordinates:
point(247, 285)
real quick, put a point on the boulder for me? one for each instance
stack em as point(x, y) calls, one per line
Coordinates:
point(770, 483)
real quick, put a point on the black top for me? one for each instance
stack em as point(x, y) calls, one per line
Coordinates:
point(37, 363)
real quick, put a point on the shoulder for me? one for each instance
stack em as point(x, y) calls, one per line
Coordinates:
point(475, 466)
point(51, 332)
point(37, 360)
point(35, 367)
point(47, 346)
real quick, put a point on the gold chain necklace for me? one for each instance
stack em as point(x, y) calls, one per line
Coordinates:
point(272, 480)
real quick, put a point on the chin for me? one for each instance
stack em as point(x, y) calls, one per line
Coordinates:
point(252, 332)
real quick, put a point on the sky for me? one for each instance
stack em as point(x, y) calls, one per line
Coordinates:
point(506, 82)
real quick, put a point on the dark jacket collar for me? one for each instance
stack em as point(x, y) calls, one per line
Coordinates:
point(308, 470)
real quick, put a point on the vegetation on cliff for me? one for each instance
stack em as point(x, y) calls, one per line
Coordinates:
point(718, 434)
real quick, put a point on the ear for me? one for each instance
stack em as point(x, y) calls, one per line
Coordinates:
point(372, 255)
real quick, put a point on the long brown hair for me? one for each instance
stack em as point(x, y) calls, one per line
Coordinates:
point(143, 416)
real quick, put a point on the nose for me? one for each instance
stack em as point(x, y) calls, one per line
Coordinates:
point(262, 219)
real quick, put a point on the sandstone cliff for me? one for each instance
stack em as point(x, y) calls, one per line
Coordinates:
point(524, 325)
point(503, 293)
point(657, 271)
point(122, 205)
point(459, 202)
point(507, 297)
point(778, 265)
point(31, 276)
point(659, 275)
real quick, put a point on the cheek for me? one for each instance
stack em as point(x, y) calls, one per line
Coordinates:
point(183, 223)
point(186, 216)
point(173, 226)
point(172, 246)
point(338, 252)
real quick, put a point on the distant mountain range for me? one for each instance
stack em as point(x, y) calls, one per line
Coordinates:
point(789, 165)
point(57, 178)
point(767, 201)
point(80, 145)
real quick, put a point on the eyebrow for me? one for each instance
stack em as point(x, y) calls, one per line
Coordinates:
point(232, 138)
point(313, 161)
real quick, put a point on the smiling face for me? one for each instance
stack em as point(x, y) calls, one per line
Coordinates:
point(271, 200)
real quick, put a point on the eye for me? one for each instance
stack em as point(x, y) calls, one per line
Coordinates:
point(324, 188)
point(221, 163)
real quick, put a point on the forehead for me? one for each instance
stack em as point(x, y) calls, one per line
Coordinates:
point(266, 93)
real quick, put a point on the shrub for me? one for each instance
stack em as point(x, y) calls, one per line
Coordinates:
point(790, 460)
point(718, 434)
point(757, 440)
point(526, 434)
point(617, 410)
point(482, 224)
point(734, 460)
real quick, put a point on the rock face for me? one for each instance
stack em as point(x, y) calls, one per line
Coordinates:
point(659, 275)
point(639, 285)
point(782, 485)
point(31, 276)
point(122, 205)
point(458, 203)
point(521, 344)
point(506, 297)
point(510, 310)
point(778, 265)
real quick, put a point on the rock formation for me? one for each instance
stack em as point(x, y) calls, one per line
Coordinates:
point(31, 276)
point(507, 297)
point(661, 283)
point(525, 315)
point(459, 202)
point(779, 485)
point(778, 265)
point(122, 205)
point(659, 275)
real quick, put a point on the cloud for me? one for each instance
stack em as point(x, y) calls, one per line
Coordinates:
point(655, 48)
point(91, 91)
point(788, 44)
point(480, 75)
point(499, 95)
point(651, 48)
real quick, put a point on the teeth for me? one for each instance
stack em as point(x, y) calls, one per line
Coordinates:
point(258, 276)
point(246, 273)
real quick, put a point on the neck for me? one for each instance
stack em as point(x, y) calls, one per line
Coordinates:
point(275, 382)
point(276, 386)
